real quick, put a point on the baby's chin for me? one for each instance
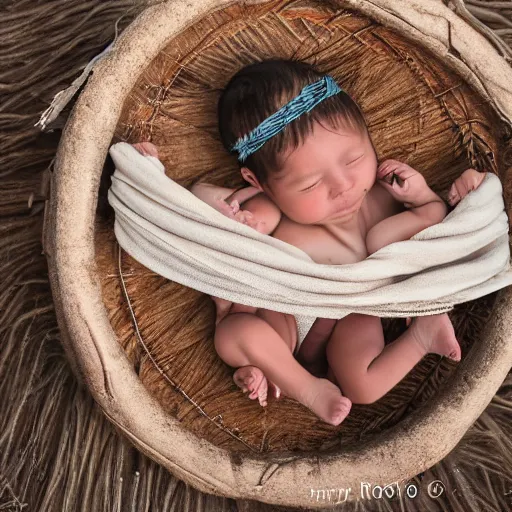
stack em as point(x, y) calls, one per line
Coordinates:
point(341, 218)
point(325, 218)
point(316, 221)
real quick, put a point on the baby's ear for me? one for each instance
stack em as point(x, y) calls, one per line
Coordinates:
point(249, 176)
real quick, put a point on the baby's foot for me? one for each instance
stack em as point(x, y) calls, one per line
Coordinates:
point(326, 401)
point(251, 379)
point(435, 334)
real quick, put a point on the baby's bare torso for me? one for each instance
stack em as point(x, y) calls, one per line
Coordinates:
point(330, 246)
point(337, 246)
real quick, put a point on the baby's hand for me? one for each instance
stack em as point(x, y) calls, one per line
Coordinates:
point(246, 217)
point(233, 211)
point(469, 180)
point(146, 149)
point(253, 220)
point(224, 200)
point(405, 184)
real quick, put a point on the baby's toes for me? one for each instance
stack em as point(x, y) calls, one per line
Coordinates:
point(240, 380)
point(247, 378)
point(261, 392)
point(276, 391)
point(254, 387)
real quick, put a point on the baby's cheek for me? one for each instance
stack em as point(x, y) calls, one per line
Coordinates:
point(309, 210)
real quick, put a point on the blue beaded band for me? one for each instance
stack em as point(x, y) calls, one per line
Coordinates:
point(308, 98)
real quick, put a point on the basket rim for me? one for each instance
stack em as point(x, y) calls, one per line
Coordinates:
point(418, 442)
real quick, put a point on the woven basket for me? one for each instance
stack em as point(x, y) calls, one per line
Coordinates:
point(435, 93)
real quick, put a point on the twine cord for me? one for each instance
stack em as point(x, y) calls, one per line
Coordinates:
point(161, 371)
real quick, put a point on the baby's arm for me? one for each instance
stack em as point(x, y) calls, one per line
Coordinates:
point(259, 211)
point(405, 225)
point(426, 208)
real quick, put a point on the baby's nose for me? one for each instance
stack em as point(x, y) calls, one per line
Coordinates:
point(338, 186)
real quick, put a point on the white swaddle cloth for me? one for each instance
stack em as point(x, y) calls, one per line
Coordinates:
point(173, 233)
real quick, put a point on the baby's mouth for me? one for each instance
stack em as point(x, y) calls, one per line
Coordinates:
point(350, 206)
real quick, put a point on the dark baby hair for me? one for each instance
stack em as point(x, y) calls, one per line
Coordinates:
point(258, 90)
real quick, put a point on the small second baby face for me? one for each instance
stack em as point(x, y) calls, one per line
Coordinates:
point(325, 180)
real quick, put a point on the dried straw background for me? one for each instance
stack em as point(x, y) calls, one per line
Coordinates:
point(57, 452)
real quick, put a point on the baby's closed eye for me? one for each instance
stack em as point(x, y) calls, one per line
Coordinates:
point(311, 186)
point(354, 160)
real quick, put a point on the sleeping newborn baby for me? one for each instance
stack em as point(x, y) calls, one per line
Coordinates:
point(315, 183)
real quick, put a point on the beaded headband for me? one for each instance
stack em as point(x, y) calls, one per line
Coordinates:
point(306, 100)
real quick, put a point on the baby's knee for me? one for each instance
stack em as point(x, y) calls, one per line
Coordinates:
point(234, 334)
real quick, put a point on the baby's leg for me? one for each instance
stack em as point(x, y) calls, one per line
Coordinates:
point(366, 370)
point(251, 378)
point(244, 339)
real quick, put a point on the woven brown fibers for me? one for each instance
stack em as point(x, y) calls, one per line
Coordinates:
point(57, 451)
point(417, 111)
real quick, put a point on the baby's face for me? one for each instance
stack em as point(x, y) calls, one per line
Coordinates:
point(326, 179)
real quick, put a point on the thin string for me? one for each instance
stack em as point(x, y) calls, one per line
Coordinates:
point(163, 374)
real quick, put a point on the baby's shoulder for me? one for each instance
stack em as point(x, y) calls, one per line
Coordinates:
point(293, 233)
point(265, 213)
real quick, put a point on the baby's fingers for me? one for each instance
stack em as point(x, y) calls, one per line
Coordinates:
point(235, 206)
point(395, 171)
point(146, 149)
point(396, 186)
point(258, 225)
point(404, 172)
point(472, 180)
point(453, 197)
point(224, 208)
point(457, 192)
point(386, 168)
point(244, 216)
point(388, 163)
